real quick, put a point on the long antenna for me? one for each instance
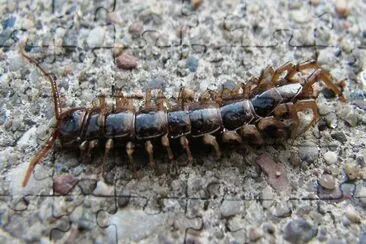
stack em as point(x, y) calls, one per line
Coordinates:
point(56, 97)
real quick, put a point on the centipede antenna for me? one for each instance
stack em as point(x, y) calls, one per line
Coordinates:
point(56, 97)
point(37, 158)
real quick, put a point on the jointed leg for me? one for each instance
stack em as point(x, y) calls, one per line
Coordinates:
point(150, 152)
point(37, 158)
point(290, 110)
point(185, 144)
point(211, 140)
point(230, 136)
point(316, 76)
point(251, 135)
point(301, 106)
point(166, 144)
point(130, 148)
point(107, 149)
point(301, 67)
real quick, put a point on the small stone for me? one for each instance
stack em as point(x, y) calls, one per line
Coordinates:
point(352, 171)
point(123, 200)
point(103, 189)
point(309, 153)
point(327, 181)
point(348, 190)
point(300, 16)
point(135, 28)
point(196, 3)
point(361, 195)
point(87, 186)
point(342, 8)
point(276, 173)
point(362, 238)
point(254, 233)
point(339, 136)
point(299, 231)
point(96, 37)
point(230, 208)
point(126, 61)
point(63, 184)
point(282, 210)
point(352, 214)
point(315, 2)
point(192, 63)
point(330, 157)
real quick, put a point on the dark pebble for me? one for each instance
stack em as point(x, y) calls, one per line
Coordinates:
point(126, 61)
point(348, 190)
point(322, 125)
point(87, 186)
point(123, 199)
point(8, 23)
point(328, 93)
point(299, 231)
point(339, 136)
point(63, 184)
point(362, 238)
point(192, 63)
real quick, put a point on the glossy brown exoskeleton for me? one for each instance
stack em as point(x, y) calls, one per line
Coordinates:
point(261, 109)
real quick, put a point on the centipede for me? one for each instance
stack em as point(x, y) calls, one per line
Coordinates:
point(251, 113)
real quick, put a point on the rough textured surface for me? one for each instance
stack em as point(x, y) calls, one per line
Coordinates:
point(198, 44)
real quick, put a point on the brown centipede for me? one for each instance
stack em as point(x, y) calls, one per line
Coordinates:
point(261, 109)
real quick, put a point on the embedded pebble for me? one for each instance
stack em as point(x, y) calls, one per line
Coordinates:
point(282, 210)
point(352, 214)
point(330, 157)
point(96, 37)
point(254, 233)
point(135, 28)
point(299, 231)
point(352, 171)
point(339, 136)
point(300, 16)
point(229, 208)
point(87, 186)
point(63, 184)
point(342, 8)
point(361, 195)
point(126, 61)
point(103, 189)
point(327, 181)
point(196, 3)
point(192, 63)
point(309, 153)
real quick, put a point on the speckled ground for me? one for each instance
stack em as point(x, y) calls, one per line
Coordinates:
point(320, 195)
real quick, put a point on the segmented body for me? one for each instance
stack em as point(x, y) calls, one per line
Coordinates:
point(250, 113)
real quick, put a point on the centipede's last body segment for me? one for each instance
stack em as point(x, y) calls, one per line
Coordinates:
point(261, 109)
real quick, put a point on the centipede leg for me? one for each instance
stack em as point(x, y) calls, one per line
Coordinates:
point(130, 148)
point(83, 148)
point(185, 144)
point(278, 72)
point(231, 136)
point(166, 144)
point(301, 106)
point(92, 144)
point(108, 147)
point(273, 128)
point(300, 67)
point(323, 76)
point(37, 158)
point(150, 151)
point(211, 140)
point(251, 135)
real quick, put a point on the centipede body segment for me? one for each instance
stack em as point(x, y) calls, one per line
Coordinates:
point(253, 112)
